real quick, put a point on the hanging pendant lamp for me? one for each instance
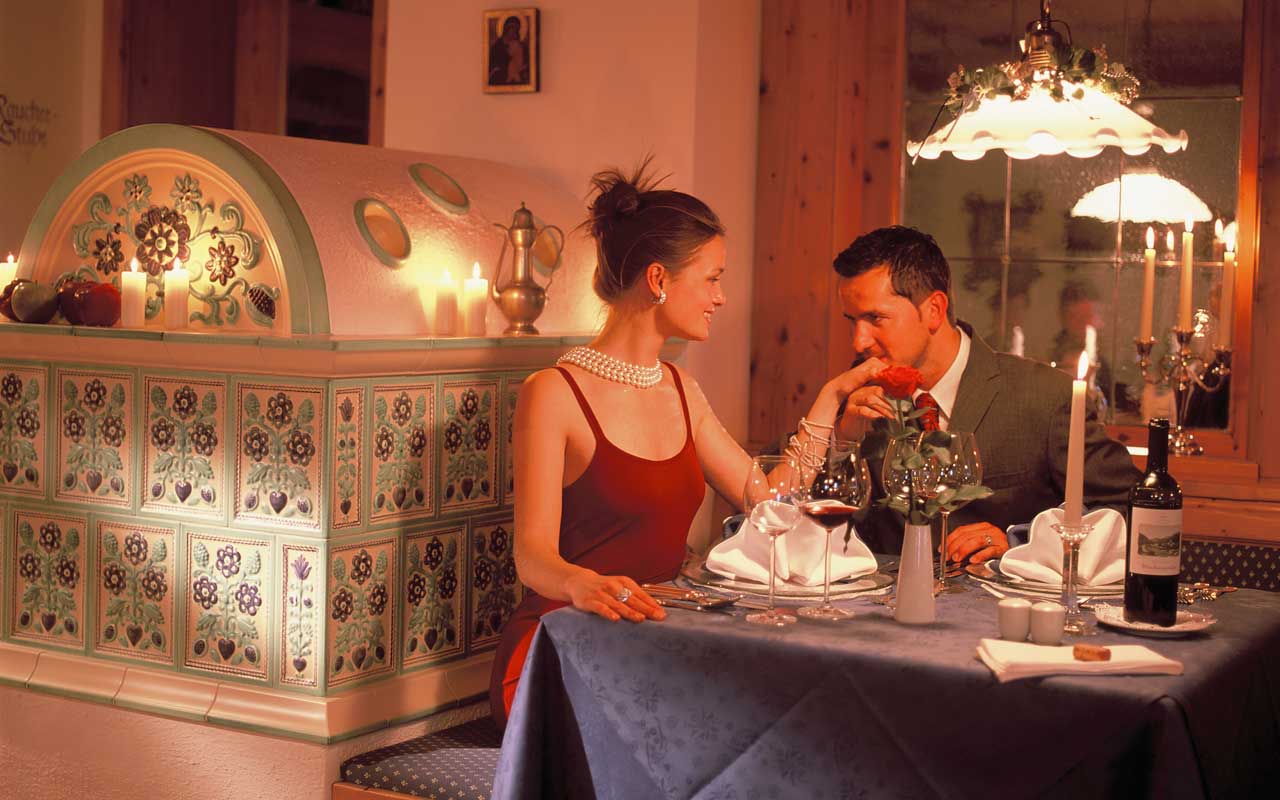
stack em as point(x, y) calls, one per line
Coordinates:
point(1056, 99)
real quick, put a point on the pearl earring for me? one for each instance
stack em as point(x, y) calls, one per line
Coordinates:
point(661, 298)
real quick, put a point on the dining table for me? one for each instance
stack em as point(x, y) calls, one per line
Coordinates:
point(705, 705)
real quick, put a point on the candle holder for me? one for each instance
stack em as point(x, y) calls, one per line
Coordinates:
point(1072, 537)
point(1183, 370)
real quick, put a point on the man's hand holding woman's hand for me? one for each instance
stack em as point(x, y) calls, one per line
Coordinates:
point(613, 597)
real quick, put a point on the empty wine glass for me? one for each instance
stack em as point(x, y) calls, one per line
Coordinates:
point(840, 489)
point(951, 463)
point(770, 499)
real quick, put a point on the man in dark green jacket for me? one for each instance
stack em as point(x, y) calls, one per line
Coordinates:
point(895, 289)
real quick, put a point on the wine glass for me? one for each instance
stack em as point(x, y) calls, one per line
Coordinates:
point(841, 489)
point(951, 463)
point(769, 498)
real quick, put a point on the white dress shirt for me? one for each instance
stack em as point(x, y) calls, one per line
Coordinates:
point(944, 391)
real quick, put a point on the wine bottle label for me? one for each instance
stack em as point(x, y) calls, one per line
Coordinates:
point(1155, 543)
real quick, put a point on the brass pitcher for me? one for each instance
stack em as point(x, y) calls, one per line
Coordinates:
point(522, 299)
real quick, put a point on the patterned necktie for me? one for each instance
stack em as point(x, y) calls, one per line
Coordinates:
point(929, 420)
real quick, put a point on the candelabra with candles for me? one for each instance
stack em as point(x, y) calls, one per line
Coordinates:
point(1183, 370)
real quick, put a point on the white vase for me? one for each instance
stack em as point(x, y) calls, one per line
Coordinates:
point(914, 603)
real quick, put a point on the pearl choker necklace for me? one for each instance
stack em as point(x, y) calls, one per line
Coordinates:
point(613, 369)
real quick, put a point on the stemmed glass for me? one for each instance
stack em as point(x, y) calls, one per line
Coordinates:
point(952, 463)
point(841, 489)
point(769, 498)
point(1072, 537)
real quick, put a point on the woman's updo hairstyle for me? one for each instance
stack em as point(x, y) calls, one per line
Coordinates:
point(635, 225)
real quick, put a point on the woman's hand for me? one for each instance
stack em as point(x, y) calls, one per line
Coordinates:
point(854, 380)
point(599, 594)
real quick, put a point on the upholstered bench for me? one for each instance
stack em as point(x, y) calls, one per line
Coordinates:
point(1245, 566)
point(454, 764)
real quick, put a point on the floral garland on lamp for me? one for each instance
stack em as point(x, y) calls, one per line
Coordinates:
point(1016, 79)
point(899, 384)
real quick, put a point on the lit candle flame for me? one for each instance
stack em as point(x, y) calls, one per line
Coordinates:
point(1189, 224)
point(1168, 240)
point(475, 269)
point(177, 264)
point(1217, 228)
point(10, 261)
point(1082, 367)
point(1231, 242)
point(1151, 238)
point(133, 264)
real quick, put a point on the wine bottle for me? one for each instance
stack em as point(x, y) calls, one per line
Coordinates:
point(1152, 560)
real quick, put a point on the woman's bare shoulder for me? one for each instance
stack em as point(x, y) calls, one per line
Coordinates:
point(692, 391)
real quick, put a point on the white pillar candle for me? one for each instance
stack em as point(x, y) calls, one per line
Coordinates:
point(475, 302)
point(133, 297)
point(1228, 293)
point(1184, 291)
point(177, 285)
point(8, 271)
point(1148, 285)
point(427, 299)
point(446, 306)
point(1075, 447)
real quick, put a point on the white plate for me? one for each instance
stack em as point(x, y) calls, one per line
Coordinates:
point(1188, 622)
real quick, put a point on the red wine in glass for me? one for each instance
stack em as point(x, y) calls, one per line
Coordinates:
point(829, 514)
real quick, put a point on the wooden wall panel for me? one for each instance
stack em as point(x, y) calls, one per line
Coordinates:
point(261, 65)
point(828, 169)
point(378, 76)
point(1264, 377)
point(794, 180)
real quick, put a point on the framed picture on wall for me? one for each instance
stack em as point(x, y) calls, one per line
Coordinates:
point(511, 50)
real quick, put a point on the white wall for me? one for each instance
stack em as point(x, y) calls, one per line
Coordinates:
point(50, 59)
point(675, 78)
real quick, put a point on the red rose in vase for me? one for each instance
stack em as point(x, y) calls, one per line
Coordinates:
point(899, 382)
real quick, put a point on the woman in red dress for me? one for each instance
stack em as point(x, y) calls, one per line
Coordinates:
point(613, 450)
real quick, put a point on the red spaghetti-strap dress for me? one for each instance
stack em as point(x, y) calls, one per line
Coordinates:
point(624, 515)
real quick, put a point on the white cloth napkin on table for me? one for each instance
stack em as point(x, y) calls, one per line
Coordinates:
point(1101, 555)
point(745, 555)
point(1013, 660)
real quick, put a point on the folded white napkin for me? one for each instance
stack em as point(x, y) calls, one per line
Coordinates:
point(1101, 555)
point(1013, 660)
point(745, 555)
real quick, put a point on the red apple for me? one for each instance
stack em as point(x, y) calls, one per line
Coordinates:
point(99, 304)
point(67, 303)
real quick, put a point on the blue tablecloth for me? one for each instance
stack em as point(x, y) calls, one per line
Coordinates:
point(705, 705)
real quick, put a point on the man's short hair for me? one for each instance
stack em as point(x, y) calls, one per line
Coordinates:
point(916, 265)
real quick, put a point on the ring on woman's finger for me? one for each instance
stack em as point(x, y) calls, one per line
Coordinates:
point(623, 595)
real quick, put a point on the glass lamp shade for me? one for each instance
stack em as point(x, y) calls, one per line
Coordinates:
point(1142, 197)
point(1039, 125)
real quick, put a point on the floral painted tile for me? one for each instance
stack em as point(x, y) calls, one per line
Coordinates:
point(469, 475)
point(433, 604)
point(362, 610)
point(22, 426)
point(226, 617)
point(400, 479)
point(95, 437)
point(302, 603)
point(510, 395)
point(48, 597)
point(348, 436)
point(278, 469)
point(183, 454)
point(495, 587)
point(135, 570)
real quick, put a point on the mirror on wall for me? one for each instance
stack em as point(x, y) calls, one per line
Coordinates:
point(1047, 253)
